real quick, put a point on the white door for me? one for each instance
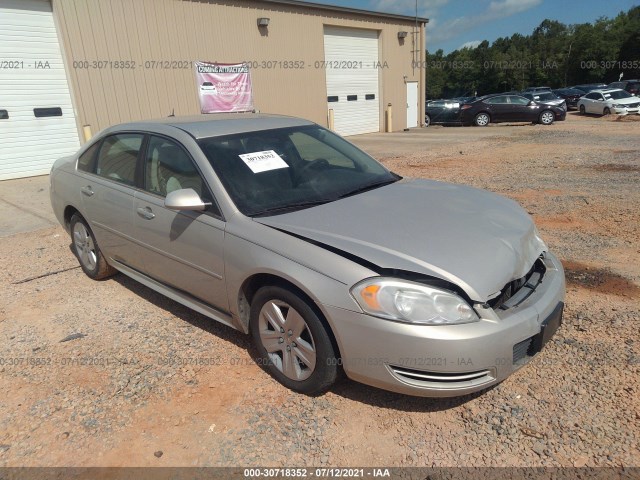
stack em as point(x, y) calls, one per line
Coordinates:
point(37, 122)
point(412, 104)
point(351, 64)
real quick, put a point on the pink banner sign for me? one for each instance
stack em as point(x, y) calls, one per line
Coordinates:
point(224, 87)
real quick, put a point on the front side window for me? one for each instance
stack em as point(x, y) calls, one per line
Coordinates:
point(270, 172)
point(168, 167)
point(519, 100)
point(118, 157)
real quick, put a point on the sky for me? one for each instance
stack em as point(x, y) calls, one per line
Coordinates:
point(457, 23)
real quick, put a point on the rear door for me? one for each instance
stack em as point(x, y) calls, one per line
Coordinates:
point(107, 186)
point(181, 249)
point(499, 108)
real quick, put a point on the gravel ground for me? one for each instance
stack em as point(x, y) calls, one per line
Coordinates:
point(112, 374)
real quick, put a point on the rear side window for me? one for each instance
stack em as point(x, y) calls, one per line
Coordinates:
point(86, 160)
point(497, 100)
point(118, 157)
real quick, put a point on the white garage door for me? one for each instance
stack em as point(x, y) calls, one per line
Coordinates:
point(351, 59)
point(37, 122)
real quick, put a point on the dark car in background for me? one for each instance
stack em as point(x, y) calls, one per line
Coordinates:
point(442, 112)
point(631, 86)
point(589, 87)
point(546, 98)
point(536, 89)
point(509, 108)
point(570, 95)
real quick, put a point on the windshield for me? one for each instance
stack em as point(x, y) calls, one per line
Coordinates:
point(274, 171)
point(617, 95)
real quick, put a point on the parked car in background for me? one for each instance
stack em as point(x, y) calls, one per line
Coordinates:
point(546, 98)
point(442, 112)
point(588, 87)
point(208, 88)
point(631, 86)
point(509, 108)
point(279, 228)
point(606, 102)
point(536, 89)
point(465, 99)
point(570, 95)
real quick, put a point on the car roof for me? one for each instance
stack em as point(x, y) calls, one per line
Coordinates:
point(607, 90)
point(217, 124)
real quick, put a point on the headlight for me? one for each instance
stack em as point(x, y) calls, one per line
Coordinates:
point(412, 302)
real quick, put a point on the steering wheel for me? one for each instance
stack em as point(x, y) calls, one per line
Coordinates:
point(312, 165)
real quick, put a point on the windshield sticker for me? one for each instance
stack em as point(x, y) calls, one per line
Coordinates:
point(263, 161)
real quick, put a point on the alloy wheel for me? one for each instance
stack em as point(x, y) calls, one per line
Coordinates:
point(286, 337)
point(547, 118)
point(84, 246)
point(482, 119)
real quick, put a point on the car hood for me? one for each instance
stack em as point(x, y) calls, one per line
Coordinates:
point(476, 239)
point(624, 101)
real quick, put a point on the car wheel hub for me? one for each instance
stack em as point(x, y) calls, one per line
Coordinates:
point(293, 353)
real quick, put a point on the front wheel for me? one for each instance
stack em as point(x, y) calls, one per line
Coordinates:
point(607, 111)
point(482, 120)
point(582, 110)
point(87, 251)
point(292, 342)
point(427, 120)
point(547, 117)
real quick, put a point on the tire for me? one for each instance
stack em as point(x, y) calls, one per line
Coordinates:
point(292, 343)
point(547, 117)
point(87, 251)
point(606, 111)
point(482, 120)
point(427, 120)
point(582, 110)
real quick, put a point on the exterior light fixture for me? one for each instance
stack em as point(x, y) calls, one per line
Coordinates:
point(263, 22)
point(402, 35)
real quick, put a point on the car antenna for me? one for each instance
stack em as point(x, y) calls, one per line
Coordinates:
point(173, 112)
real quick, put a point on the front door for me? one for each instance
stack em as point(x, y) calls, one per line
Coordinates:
point(412, 104)
point(181, 249)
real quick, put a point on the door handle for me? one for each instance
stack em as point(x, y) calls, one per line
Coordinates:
point(146, 213)
point(87, 191)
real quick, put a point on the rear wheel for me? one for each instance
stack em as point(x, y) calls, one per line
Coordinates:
point(582, 110)
point(427, 120)
point(607, 111)
point(87, 251)
point(292, 342)
point(482, 120)
point(547, 117)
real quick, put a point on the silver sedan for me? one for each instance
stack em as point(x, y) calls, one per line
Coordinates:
point(285, 231)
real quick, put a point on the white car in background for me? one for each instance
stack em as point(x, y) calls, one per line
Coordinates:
point(608, 101)
point(208, 88)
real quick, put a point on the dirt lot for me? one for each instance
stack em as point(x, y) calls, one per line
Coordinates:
point(150, 383)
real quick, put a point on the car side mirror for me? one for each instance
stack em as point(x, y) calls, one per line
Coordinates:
point(185, 199)
point(531, 102)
